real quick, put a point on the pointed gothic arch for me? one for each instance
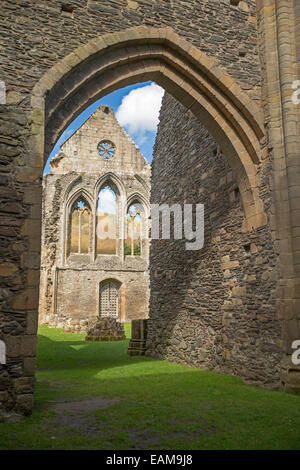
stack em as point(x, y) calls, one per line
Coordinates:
point(78, 239)
point(107, 221)
point(110, 178)
point(136, 227)
point(144, 53)
point(71, 196)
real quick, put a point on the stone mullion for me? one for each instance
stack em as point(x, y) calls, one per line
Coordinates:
point(79, 231)
point(91, 233)
point(95, 221)
point(132, 235)
point(122, 206)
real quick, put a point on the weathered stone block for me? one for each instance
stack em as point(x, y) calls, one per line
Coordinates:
point(239, 291)
point(23, 385)
point(26, 300)
point(13, 346)
point(29, 366)
point(104, 329)
point(28, 345)
point(24, 404)
point(8, 269)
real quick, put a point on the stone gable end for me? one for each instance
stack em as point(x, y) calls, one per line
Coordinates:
point(80, 151)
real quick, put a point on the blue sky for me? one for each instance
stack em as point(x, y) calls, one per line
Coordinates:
point(136, 107)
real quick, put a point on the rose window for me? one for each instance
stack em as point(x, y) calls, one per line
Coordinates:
point(106, 149)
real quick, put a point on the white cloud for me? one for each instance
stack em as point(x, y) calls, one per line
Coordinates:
point(107, 201)
point(139, 110)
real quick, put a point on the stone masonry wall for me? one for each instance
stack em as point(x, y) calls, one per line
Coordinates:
point(70, 283)
point(212, 308)
point(86, 283)
point(35, 35)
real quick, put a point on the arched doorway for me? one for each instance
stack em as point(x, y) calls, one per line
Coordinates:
point(109, 298)
point(195, 80)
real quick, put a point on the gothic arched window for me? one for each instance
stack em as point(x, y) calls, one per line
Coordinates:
point(107, 226)
point(133, 236)
point(80, 221)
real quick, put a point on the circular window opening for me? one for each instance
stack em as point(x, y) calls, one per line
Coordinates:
point(106, 149)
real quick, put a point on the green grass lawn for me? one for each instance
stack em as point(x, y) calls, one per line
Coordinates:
point(141, 403)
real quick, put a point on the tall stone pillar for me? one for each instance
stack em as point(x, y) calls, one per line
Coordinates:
point(279, 30)
point(20, 226)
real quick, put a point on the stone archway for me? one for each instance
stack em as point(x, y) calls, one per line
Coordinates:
point(101, 66)
point(197, 81)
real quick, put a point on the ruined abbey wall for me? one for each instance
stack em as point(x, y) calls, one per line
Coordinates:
point(216, 307)
point(70, 283)
point(253, 42)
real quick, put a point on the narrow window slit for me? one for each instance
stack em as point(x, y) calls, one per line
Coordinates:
point(67, 9)
point(247, 248)
point(237, 194)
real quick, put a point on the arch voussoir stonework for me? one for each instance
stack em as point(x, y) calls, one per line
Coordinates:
point(145, 53)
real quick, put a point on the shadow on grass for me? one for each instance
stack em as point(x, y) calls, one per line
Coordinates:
point(123, 402)
point(158, 405)
point(55, 354)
